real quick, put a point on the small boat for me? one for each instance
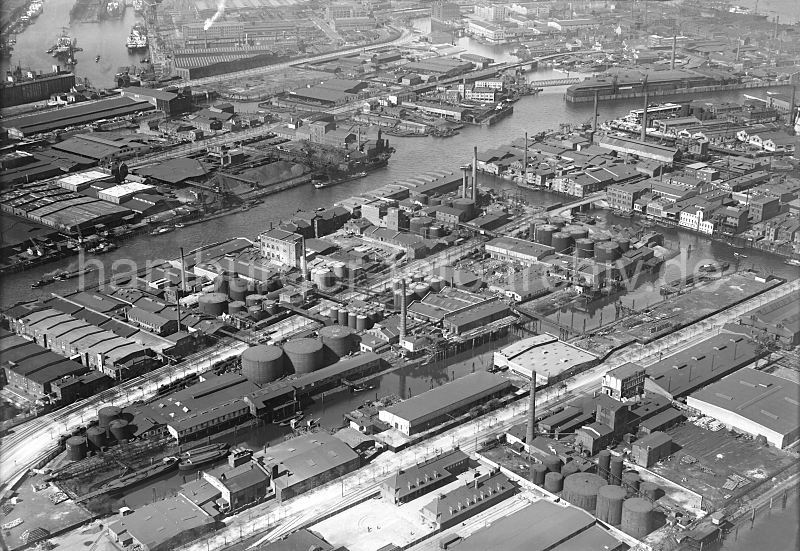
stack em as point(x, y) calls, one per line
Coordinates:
point(161, 230)
point(192, 452)
point(97, 59)
point(740, 255)
point(201, 459)
point(792, 262)
point(40, 283)
point(179, 225)
point(320, 185)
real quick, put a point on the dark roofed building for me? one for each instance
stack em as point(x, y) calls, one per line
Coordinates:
point(171, 103)
point(406, 485)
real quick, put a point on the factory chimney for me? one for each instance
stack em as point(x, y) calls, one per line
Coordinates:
point(475, 173)
point(644, 111)
point(529, 435)
point(303, 265)
point(525, 166)
point(403, 310)
point(464, 181)
point(594, 115)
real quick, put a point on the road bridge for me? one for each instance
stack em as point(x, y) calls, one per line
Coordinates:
point(554, 82)
point(579, 204)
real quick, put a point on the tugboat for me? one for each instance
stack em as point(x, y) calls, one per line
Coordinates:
point(329, 183)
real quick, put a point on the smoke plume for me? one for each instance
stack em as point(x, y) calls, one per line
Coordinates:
point(213, 18)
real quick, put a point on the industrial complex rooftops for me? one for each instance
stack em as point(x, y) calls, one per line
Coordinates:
point(762, 398)
point(543, 354)
point(439, 399)
point(307, 456)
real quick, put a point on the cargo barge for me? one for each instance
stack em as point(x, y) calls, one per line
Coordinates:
point(133, 479)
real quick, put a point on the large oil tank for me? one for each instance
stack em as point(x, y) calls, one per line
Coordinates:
point(76, 448)
point(538, 472)
point(650, 490)
point(584, 247)
point(616, 471)
point(213, 304)
point(436, 283)
point(338, 340)
point(262, 364)
point(120, 430)
point(340, 270)
point(237, 288)
point(570, 468)
point(97, 437)
point(421, 289)
point(304, 355)
point(637, 517)
point(607, 251)
point(562, 242)
point(342, 316)
point(361, 322)
point(254, 300)
point(333, 313)
point(553, 463)
point(236, 307)
point(609, 504)
point(553, 482)
point(624, 243)
point(544, 234)
point(604, 463)
point(576, 232)
point(558, 221)
point(352, 319)
point(107, 414)
point(631, 481)
point(581, 489)
point(323, 277)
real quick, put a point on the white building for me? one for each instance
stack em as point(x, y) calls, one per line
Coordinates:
point(694, 218)
point(281, 247)
point(550, 358)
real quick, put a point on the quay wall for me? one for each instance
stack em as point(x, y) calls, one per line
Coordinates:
point(673, 92)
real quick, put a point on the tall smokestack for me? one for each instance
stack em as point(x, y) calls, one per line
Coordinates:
point(475, 173)
point(403, 309)
point(183, 272)
point(303, 265)
point(594, 115)
point(525, 166)
point(529, 435)
point(644, 112)
point(464, 181)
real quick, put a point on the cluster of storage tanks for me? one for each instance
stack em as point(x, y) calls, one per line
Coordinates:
point(234, 295)
point(358, 318)
point(569, 239)
point(266, 363)
point(110, 428)
point(613, 496)
point(418, 285)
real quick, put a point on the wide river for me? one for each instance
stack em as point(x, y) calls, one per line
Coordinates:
point(414, 156)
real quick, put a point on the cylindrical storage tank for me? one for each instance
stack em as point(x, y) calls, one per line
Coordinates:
point(76, 448)
point(262, 364)
point(253, 300)
point(544, 234)
point(221, 285)
point(235, 307)
point(237, 288)
point(340, 270)
point(637, 517)
point(361, 322)
point(416, 225)
point(352, 319)
point(436, 284)
point(624, 243)
point(609, 504)
point(553, 463)
point(538, 472)
point(631, 481)
point(604, 463)
point(107, 414)
point(97, 437)
point(422, 289)
point(557, 221)
point(270, 307)
point(561, 242)
point(650, 491)
point(304, 355)
point(607, 251)
point(342, 318)
point(576, 232)
point(333, 313)
point(569, 468)
point(417, 277)
point(553, 482)
point(213, 304)
point(437, 232)
point(120, 429)
point(338, 339)
point(255, 312)
point(323, 277)
point(584, 248)
point(581, 489)
point(616, 471)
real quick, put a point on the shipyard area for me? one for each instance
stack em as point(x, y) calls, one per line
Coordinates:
point(330, 276)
